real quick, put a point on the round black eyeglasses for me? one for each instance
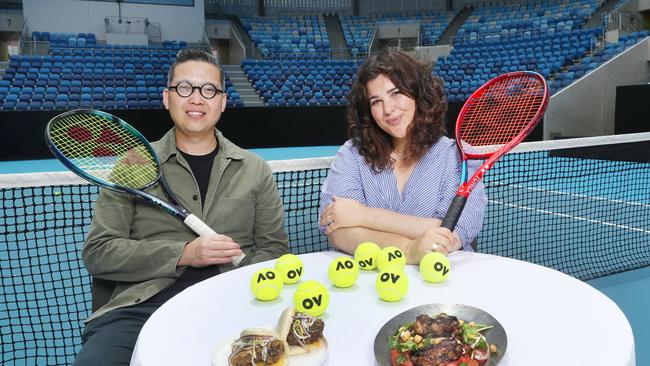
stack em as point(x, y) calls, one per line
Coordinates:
point(185, 89)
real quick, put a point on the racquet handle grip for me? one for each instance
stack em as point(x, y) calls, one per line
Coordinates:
point(198, 226)
point(201, 228)
point(454, 212)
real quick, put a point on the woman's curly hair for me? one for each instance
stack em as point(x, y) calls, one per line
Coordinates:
point(411, 78)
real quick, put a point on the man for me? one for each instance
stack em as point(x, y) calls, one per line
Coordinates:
point(149, 255)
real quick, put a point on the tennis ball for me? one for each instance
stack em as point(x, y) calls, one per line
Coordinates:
point(392, 284)
point(391, 257)
point(311, 297)
point(266, 284)
point(366, 255)
point(290, 268)
point(434, 267)
point(343, 272)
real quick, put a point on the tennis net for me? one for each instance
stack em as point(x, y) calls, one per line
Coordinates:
point(581, 206)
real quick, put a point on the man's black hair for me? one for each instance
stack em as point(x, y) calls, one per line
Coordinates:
point(194, 54)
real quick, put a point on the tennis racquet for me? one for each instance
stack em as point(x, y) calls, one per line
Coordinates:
point(107, 151)
point(495, 119)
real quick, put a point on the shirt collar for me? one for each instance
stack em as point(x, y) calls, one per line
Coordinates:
point(166, 146)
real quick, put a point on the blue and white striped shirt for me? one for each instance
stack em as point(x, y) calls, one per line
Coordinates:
point(427, 193)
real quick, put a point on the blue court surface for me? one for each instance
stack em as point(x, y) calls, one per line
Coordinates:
point(631, 292)
point(281, 153)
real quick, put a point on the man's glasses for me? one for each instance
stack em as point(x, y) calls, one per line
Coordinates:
point(185, 89)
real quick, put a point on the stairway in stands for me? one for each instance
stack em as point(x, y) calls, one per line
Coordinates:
point(335, 34)
point(3, 67)
point(597, 18)
point(246, 92)
point(458, 22)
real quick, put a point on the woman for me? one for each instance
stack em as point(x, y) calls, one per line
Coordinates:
point(394, 180)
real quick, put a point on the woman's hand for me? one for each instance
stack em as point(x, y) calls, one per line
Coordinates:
point(342, 212)
point(434, 239)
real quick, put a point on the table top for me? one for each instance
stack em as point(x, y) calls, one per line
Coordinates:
point(550, 318)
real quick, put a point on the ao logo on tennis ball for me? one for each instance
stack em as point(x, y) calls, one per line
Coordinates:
point(390, 257)
point(266, 284)
point(311, 297)
point(366, 255)
point(290, 268)
point(392, 284)
point(343, 272)
point(434, 267)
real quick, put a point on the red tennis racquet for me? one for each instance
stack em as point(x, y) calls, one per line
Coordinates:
point(495, 119)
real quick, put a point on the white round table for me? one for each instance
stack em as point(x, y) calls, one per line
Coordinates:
point(550, 318)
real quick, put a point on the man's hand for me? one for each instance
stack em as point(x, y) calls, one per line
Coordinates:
point(342, 212)
point(208, 250)
point(438, 239)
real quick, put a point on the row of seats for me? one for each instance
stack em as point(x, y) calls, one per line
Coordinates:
point(589, 63)
point(357, 30)
point(301, 82)
point(8, 105)
point(65, 39)
point(289, 36)
point(470, 65)
point(121, 77)
point(559, 15)
point(75, 92)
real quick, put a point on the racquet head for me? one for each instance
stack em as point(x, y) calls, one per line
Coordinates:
point(500, 114)
point(103, 149)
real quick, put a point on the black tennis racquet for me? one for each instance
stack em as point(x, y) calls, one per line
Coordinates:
point(496, 118)
point(107, 151)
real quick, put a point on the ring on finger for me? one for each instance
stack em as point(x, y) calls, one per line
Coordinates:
point(434, 247)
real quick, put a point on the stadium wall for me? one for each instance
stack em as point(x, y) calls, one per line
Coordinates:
point(249, 127)
point(588, 106)
point(177, 22)
point(367, 7)
point(632, 109)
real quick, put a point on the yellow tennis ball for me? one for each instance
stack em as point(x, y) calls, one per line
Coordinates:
point(391, 257)
point(343, 272)
point(311, 297)
point(392, 284)
point(290, 268)
point(435, 267)
point(266, 284)
point(366, 255)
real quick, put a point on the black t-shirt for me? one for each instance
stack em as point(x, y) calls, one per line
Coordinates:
point(201, 166)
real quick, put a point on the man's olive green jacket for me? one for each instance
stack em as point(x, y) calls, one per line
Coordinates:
point(137, 245)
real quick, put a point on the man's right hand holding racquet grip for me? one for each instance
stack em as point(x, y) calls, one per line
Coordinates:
point(209, 250)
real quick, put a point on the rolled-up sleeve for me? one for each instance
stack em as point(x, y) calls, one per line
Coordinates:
point(343, 179)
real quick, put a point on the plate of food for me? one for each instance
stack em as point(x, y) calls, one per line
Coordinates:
point(441, 335)
point(297, 340)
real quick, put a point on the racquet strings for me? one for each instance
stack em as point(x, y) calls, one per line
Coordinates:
point(504, 109)
point(104, 150)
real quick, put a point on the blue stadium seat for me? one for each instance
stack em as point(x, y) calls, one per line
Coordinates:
point(60, 104)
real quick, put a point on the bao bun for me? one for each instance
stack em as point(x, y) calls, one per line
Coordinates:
point(302, 332)
point(261, 342)
point(259, 332)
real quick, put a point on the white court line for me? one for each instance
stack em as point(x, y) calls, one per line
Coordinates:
point(573, 194)
point(578, 218)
